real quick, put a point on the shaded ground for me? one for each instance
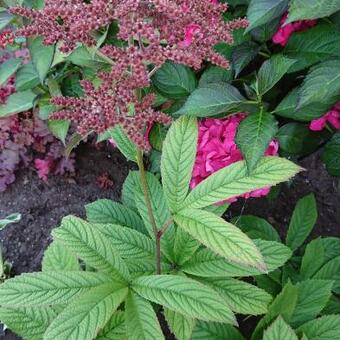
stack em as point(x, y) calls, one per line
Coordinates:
point(43, 205)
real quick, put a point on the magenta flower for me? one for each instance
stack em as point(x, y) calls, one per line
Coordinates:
point(217, 149)
point(284, 32)
point(190, 31)
point(332, 117)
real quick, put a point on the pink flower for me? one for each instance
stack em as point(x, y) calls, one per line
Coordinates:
point(190, 31)
point(332, 117)
point(43, 167)
point(284, 32)
point(217, 149)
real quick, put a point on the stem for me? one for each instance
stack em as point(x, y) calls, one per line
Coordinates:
point(148, 203)
point(165, 226)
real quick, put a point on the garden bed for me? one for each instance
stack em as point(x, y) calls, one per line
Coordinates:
point(44, 205)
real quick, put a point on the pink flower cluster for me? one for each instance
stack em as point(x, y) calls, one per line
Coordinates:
point(332, 117)
point(183, 31)
point(284, 32)
point(217, 149)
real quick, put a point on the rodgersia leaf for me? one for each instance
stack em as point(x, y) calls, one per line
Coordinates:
point(92, 246)
point(279, 330)
point(141, 319)
point(124, 144)
point(28, 322)
point(221, 237)
point(215, 331)
point(184, 296)
point(326, 327)
point(180, 325)
point(58, 258)
point(48, 288)
point(83, 317)
point(234, 180)
point(114, 329)
point(178, 157)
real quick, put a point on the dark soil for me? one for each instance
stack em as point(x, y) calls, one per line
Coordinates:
point(43, 205)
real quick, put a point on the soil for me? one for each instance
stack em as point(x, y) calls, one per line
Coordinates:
point(42, 205)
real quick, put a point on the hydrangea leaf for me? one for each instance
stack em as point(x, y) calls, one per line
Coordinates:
point(221, 237)
point(185, 296)
point(8, 68)
point(178, 157)
point(331, 155)
point(17, 102)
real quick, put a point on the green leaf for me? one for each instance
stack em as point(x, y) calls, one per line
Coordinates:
point(298, 139)
point(287, 109)
point(128, 190)
point(254, 135)
point(309, 47)
point(42, 56)
point(184, 247)
point(313, 258)
point(284, 305)
point(92, 246)
point(59, 258)
point(324, 328)
point(178, 157)
point(215, 74)
point(279, 330)
point(174, 80)
point(243, 54)
point(185, 296)
point(331, 155)
point(311, 9)
point(48, 288)
point(313, 296)
point(234, 180)
point(8, 68)
point(302, 221)
point(141, 320)
point(145, 266)
point(124, 144)
point(272, 71)
point(160, 210)
point(5, 18)
point(59, 128)
point(330, 271)
point(215, 331)
point(206, 264)
point(83, 317)
point(129, 243)
point(321, 84)
point(242, 297)
point(114, 329)
point(181, 326)
point(17, 102)
point(28, 322)
point(107, 211)
point(263, 11)
point(26, 78)
point(212, 99)
point(13, 218)
point(221, 237)
point(332, 307)
point(256, 227)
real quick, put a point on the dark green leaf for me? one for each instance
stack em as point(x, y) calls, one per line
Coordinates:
point(17, 102)
point(331, 155)
point(215, 74)
point(243, 54)
point(26, 78)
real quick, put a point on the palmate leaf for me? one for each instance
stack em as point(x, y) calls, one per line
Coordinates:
point(234, 180)
point(184, 247)
point(180, 325)
point(145, 266)
point(215, 331)
point(48, 288)
point(160, 210)
point(92, 246)
point(242, 297)
point(129, 243)
point(324, 328)
point(124, 144)
point(279, 330)
point(221, 237)
point(254, 135)
point(302, 221)
point(115, 328)
point(207, 264)
point(107, 211)
point(330, 271)
point(83, 317)
point(185, 296)
point(141, 320)
point(178, 157)
point(313, 296)
point(59, 258)
point(28, 322)
point(128, 190)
